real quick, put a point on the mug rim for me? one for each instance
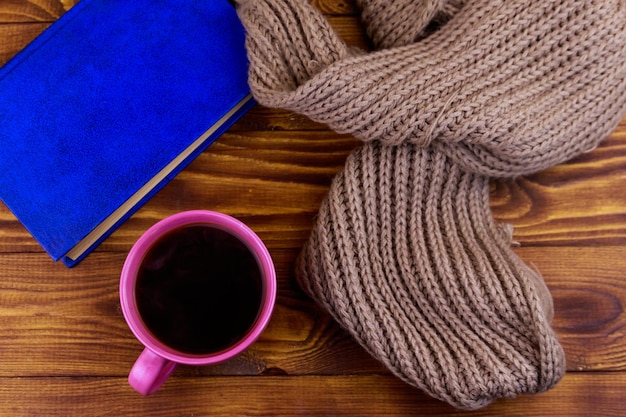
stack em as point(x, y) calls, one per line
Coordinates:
point(142, 246)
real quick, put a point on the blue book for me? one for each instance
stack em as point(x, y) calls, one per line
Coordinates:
point(107, 105)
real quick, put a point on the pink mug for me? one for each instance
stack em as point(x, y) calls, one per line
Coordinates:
point(150, 266)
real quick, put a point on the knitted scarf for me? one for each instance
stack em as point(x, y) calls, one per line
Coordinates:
point(405, 253)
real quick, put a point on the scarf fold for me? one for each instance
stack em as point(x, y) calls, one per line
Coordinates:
point(405, 253)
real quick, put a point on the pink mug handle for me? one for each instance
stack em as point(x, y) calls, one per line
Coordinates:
point(150, 372)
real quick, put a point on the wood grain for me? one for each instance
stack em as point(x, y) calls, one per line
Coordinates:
point(66, 350)
point(579, 395)
point(277, 179)
point(77, 308)
point(30, 11)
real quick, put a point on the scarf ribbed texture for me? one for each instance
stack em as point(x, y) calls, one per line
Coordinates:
point(405, 253)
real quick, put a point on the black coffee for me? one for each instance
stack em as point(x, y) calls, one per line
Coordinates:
point(199, 289)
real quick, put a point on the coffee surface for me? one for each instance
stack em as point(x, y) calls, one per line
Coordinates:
point(199, 289)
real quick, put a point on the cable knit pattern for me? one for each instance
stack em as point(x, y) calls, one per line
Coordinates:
point(405, 253)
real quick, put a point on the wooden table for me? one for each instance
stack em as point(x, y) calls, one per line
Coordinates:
point(65, 348)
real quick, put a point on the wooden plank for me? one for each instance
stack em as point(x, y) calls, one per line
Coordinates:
point(16, 36)
point(23, 20)
point(59, 321)
point(26, 11)
point(580, 202)
point(277, 180)
point(334, 7)
point(350, 31)
point(577, 395)
point(589, 292)
point(261, 118)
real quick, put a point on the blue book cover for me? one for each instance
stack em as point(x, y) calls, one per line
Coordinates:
point(107, 105)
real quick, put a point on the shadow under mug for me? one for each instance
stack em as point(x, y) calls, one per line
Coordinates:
point(158, 360)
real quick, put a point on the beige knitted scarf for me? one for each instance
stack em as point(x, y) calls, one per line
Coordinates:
point(405, 253)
